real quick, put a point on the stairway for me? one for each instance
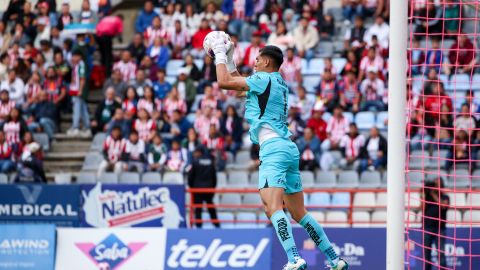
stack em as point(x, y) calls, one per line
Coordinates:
point(67, 153)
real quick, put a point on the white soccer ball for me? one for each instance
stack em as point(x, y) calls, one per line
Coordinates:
point(211, 37)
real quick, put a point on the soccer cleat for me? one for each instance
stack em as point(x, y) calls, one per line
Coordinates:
point(299, 264)
point(341, 265)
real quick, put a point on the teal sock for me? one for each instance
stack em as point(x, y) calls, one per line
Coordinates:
point(283, 228)
point(316, 233)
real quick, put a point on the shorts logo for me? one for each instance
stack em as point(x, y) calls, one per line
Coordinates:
point(282, 229)
point(110, 251)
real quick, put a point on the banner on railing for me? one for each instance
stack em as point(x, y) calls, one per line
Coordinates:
point(27, 247)
point(110, 248)
point(363, 248)
point(133, 206)
point(219, 249)
point(57, 204)
point(461, 251)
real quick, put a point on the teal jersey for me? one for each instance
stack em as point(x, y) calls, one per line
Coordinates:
point(267, 103)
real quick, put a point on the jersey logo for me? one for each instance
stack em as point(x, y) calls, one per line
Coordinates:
point(263, 99)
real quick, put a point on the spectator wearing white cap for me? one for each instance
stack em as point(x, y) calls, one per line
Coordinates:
point(372, 89)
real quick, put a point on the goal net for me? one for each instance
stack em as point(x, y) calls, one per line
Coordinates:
point(443, 112)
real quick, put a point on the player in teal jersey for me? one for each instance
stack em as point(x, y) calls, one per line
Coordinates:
point(279, 175)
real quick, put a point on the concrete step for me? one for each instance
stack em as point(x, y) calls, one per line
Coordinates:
point(65, 156)
point(52, 166)
point(69, 146)
point(61, 137)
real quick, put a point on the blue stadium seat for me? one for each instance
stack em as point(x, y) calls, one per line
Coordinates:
point(326, 116)
point(151, 178)
point(326, 179)
point(199, 63)
point(238, 179)
point(319, 199)
point(339, 63)
point(307, 179)
point(97, 142)
point(246, 220)
point(370, 179)
point(314, 67)
point(311, 82)
point(347, 179)
point(92, 161)
point(129, 178)
point(3, 178)
point(86, 178)
point(173, 66)
point(325, 49)
point(228, 220)
point(459, 179)
point(349, 116)
point(460, 82)
point(174, 178)
point(108, 178)
point(381, 117)
point(341, 199)
point(252, 199)
point(365, 120)
point(171, 79)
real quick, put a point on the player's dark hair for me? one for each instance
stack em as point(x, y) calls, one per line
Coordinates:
point(274, 53)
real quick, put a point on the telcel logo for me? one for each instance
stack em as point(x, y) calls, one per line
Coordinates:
point(217, 255)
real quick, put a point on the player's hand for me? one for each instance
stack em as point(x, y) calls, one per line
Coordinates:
point(220, 50)
point(231, 66)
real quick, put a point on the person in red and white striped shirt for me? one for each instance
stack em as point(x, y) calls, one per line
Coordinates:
point(204, 119)
point(291, 69)
point(14, 128)
point(173, 103)
point(351, 144)
point(253, 50)
point(126, 66)
point(337, 127)
point(154, 31)
point(152, 105)
point(209, 100)
point(216, 145)
point(179, 39)
point(113, 148)
point(145, 126)
point(372, 60)
point(6, 163)
point(176, 158)
point(6, 105)
point(32, 88)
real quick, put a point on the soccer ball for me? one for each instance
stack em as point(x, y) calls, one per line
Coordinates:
point(211, 37)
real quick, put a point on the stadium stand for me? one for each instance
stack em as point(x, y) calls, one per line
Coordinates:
point(185, 107)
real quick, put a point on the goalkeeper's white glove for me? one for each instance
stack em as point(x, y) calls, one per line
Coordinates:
point(220, 50)
point(231, 66)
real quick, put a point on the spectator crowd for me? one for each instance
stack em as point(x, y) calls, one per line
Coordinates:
point(154, 121)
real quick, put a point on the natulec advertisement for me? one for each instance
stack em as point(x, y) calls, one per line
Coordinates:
point(27, 247)
point(133, 206)
point(110, 249)
point(58, 204)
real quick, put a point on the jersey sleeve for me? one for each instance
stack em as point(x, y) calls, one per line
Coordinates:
point(258, 82)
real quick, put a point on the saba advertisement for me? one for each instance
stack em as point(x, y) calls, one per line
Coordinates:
point(133, 206)
point(56, 204)
point(110, 249)
point(362, 248)
point(27, 247)
point(462, 249)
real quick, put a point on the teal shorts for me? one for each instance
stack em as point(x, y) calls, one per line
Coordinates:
point(279, 165)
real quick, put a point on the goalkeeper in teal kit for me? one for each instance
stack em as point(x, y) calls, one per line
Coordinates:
point(279, 176)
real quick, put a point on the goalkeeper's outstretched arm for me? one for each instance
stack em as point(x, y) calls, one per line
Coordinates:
point(230, 81)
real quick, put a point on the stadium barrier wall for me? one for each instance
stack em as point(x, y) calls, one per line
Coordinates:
point(99, 205)
point(42, 247)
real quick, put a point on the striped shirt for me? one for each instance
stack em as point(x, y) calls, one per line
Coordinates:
point(32, 90)
point(151, 34)
point(78, 72)
point(352, 145)
point(114, 148)
point(170, 105)
point(6, 108)
point(289, 69)
point(12, 132)
point(5, 151)
point(149, 106)
point(202, 126)
point(337, 128)
point(127, 69)
point(144, 128)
